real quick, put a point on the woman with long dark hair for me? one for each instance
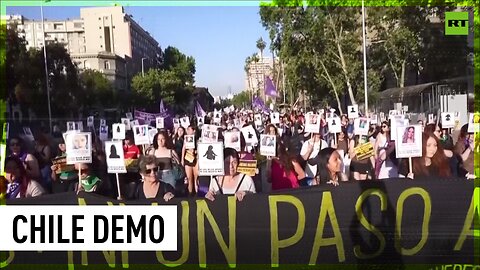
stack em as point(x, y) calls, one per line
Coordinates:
point(433, 161)
point(20, 185)
point(189, 161)
point(285, 170)
point(329, 167)
point(385, 162)
point(162, 150)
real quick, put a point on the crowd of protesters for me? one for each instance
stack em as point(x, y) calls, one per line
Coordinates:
point(302, 159)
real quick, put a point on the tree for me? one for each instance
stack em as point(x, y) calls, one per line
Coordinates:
point(241, 99)
point(182, 65)
point(97, 90)
point(261, 46)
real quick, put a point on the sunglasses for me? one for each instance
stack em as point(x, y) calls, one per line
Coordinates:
point(149, 171)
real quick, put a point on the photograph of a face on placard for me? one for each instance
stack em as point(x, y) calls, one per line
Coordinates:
point(126, 122)
point(159, 122)
point(473, 122)
point(352, 111)
point(140, 135)
point(312, 123)
point(118, 131)
point(185, 122)
point(268, 145)
point(361, 126)
point(115, 157)
point(275, 118)
point(90, 121)
point(103, 133)
point(395, 122)
point(232, 139)
point(210, 159)
point(200, 121)
point(209, 133)
point(189, 141)
point(408, 141)
point(79, 147)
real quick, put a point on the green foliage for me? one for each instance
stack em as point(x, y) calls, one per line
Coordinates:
point(241, 99)
point(97, 90)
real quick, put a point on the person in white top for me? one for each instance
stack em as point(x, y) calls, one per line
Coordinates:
point(232, 183)
point(310, 150)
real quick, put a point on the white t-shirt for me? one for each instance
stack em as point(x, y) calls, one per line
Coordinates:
point(247, 185)
point(311, 170)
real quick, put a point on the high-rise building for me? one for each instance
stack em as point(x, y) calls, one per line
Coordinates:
point(255, 76)
point(103, 38)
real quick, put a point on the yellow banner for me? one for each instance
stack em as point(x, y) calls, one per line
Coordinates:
point(248, 167)
point(364, 151)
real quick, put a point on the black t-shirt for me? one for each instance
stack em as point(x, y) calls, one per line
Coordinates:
point(162, 190)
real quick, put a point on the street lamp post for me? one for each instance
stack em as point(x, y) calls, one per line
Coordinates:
point(143, 74)
point(46, 70)
point(365, 84)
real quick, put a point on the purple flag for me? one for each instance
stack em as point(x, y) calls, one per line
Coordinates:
point(259, 104)
point(199, 112)
point(270, 89)
point(162, 108)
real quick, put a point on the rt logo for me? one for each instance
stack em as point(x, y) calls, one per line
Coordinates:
point(456, 23)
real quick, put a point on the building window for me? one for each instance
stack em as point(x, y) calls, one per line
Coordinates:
point(99, 27)
point(106, 65)
point(99, 18)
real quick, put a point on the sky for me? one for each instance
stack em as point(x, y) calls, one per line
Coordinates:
point(219, 38)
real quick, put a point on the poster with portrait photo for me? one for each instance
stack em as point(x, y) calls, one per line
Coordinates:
point(250, 135)
point(140, 134)
point(90, 120)
point(159, 122)
point(361, 126)
point(103, 122)
point(129, 115)
point(232, 140)
point(200, 120)
point(312, 123)
point(176, 123)
point(185, 122)
point(268, 145)
point(392, 113)
point(275, 118)
point(209, 133)
point(126, 123)
point(352, 111)
point(79, 147)
point(134, 123)
point(71, 126)
point(431, 118)
point(210, 159)
point(258, 120)
point(118, 131)
point(151, 134)
point(473, 122)
point(189, 141)
point(408, 141)
point(103, 133)
point(217, 117)
point(334, 125)
point(373, 119)
point(115, 157)
point(448, 120)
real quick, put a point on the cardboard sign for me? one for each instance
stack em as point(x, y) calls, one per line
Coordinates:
point(103, 122)
point(79, 125)
point(103, 135)
point(129, 115)
point(334, 125)
point(115, 157)
point(448, 120)
point(275, 118)
point(409, 141)
point(431, 118)
point(62, 166)
point(28, 133)
point(159, 122)
point(189, 142)
point(474, 122)
point(126, 123)
point(79, 147)
point(71, 126)
point(217, 117)
point(392, 113)
point(374, 119)
point(232, 140)
point(140, 134)
point(361, 126)
point(185, 122)
point(382, 117)
point(250, 135)
point(247, 167)
point(118, 131)
point(268, 145)
point(210, 159)
point(352, 111)
point(176, 122)
point(90, 121)
point(200, 120)
point(396, 122)
point(134, 123)
point(209, 133)
point(151, 134)
point(364, 151)
point(258, 120)
point(312, 123)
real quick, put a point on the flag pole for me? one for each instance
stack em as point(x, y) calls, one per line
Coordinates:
point(364, 60)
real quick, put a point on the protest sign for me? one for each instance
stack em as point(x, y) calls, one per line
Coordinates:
point(352, 111)
point(115, 157)
point(209, 133)
point(409, 141)
point(474, 122)
point(126, 123)
point(364, 151)
point(185, 122)
point(210, 159)
point(334, 125)
point(275, 118)
point(189, 141)
point(248, 167)
point(140, 134)
point(361, 126)
point(232, 140)
point(159, 122)
point(312, 123)
point(79, 147)
point(90, 120)
point(448, 120)
point(103, 134)
point(250, 135)
point(268, 145)
point(118, 131)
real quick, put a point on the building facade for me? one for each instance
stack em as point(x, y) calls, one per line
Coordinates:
point(103, 38)
point(255, 76)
